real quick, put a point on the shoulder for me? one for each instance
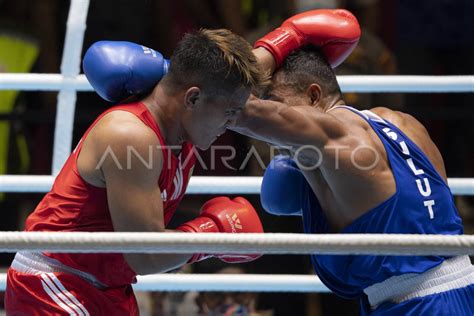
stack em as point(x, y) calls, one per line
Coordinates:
point(352, 123)
point(401, 120)
point(358, 135)
point(125, 135)
point(121, 127)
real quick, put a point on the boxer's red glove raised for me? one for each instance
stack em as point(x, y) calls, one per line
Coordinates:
point(223, 215)
point(336, 32)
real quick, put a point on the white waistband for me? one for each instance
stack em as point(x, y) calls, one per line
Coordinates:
point(37, 263)
point(453, 273)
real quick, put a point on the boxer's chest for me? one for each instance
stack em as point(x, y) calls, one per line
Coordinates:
point(174, 178)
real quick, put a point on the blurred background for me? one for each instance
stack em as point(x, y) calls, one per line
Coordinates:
point(425, 37)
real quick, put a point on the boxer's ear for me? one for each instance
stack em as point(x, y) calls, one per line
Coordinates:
point(314, 92)
point(191, 98)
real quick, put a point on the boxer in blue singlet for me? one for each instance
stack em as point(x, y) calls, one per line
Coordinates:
point(356, 171)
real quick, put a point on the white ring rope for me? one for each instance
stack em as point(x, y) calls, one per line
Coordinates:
point(269, 243)
point(363, 84)
point(223, 282)
point(412, 84)
point(43, 82)
point(197, 185)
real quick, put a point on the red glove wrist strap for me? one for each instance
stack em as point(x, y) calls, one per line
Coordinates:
point(280, 43)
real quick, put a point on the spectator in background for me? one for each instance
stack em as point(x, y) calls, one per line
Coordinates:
point(204, 303)
point(229, 303)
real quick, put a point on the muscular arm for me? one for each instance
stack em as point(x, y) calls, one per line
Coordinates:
point(280, 124)
point(265, 59)
point(283, 125)
point(133, 194)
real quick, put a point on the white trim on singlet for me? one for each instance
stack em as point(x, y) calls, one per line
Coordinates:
point(453, 273)
point(36, 263)
point(367, 114)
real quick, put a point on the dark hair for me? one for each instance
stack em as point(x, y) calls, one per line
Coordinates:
point(215, 60)
point(306, 66)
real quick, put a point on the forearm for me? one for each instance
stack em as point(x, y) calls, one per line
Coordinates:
point(287, 126)
point(156, 263)
point(254, 114)
point(265, 59)
point(265, 121)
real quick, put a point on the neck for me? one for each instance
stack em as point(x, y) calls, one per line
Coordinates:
point(332, 102)
point(165, 109)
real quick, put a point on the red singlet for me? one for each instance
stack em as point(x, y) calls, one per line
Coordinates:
point(75, 205)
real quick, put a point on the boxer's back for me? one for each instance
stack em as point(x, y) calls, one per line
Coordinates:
point(417, 133)
point(421, 202)
point(351, 169)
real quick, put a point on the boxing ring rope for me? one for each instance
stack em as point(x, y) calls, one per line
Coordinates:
point(360, 83)
point(197, 185)
point(219, 243)
point(223, 282)
point(234, 243)
point(69, 82)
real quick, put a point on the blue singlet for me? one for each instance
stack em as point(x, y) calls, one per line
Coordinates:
point(422, 204)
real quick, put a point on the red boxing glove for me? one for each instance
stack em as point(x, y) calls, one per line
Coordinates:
point(223, 215)
point(336, 32)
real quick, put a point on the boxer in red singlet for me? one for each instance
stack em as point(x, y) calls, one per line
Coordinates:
point(129, 172)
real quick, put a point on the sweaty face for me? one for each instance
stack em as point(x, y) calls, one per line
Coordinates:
point(211, 118)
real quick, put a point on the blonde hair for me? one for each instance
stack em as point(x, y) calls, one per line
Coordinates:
point(237, 52)
point(218, 59)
